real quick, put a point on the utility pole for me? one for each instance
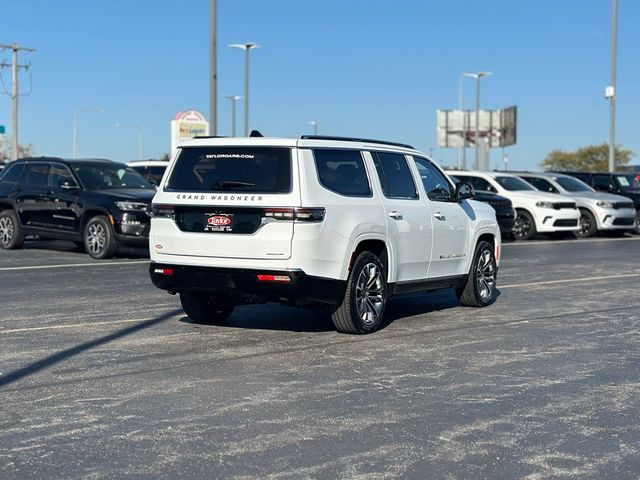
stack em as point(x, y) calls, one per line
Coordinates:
point(15, 48)
point(213, 66)
point(611, 90)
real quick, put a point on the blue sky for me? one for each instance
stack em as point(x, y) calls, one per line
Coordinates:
point(373, 68)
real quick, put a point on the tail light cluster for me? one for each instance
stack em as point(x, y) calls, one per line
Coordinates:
point(299, 214)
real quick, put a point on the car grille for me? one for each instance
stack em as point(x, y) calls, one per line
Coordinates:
point(620, 205)
point(560, 205)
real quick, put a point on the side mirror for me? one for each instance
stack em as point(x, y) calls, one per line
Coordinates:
point(68, 185)
point(464, 190)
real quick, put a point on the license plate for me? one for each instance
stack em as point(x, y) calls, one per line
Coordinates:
point(218, 222)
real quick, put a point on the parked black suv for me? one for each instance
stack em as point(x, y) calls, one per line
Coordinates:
point(626, 184)
point(98, 204)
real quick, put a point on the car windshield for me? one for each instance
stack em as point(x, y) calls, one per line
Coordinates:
point(628, 182)
point(571, 184)
point(106, 176)
point(513, 183)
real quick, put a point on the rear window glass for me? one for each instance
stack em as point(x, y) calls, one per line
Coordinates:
point(394, 174)
point(37, 175)
point(11, 174)
point(343, 172)
point(259, 170)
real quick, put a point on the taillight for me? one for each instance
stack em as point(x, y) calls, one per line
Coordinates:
point(274, 278)
point(299, 214)
point(163, 271)
point(163, 211)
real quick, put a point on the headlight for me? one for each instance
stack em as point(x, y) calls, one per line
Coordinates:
point(606, 204)
point(127, 206)
point(544, 204)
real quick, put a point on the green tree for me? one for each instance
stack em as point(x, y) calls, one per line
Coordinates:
point(592, 158)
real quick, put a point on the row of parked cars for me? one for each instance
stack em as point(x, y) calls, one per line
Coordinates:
point(100, 204)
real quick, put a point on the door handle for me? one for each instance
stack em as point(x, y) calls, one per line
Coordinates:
point(396, 215)
point(439, 216)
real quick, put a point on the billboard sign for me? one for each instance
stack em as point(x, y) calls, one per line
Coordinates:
point(496, 127)
point(187, 125)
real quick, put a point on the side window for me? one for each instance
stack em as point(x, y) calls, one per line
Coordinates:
point(12, 173)
point(435, 184)
point(601, 182)
point(36, 175)
point(57, 174)
point(477, 183)
point(395, 176)
point(343, 172)
point(542, 184)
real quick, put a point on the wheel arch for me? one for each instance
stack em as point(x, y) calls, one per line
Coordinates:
point(92, 212)
point(374, 244)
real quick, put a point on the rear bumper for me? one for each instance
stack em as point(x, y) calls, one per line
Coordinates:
point(242, 283)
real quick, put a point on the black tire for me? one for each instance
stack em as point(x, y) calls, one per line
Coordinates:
point(99, 238)
point(524, 226)
point(636, 227)
point(362, 308)
point(480, 289)
point(11, 234)
point(587, 223)
point(80, 246)
point(203, 308)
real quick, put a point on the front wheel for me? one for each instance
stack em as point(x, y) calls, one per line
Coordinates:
point(480, 289)
point(524, 226)
point(203, 308)
point(362, 308)
point(588, 225)
point(11, 234)
point(99, 238)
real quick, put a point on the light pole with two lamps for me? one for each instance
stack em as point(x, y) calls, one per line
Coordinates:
point(246, 47)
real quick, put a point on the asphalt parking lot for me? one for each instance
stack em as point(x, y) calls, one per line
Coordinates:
point(102, 376)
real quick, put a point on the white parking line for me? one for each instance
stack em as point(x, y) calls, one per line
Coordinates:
point(569, 280)
point(69, 265)
point(568, 242)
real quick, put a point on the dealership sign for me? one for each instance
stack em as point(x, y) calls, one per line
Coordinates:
point(186, 125)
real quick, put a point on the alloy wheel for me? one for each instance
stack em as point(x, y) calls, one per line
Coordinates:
point(96, 238)
point(7, 230)
point(521, 227)
point(370, 294)
point(486, 275)
point(585, 225)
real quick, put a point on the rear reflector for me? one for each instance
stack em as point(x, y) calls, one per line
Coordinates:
point(163, 271)
point(274, 278)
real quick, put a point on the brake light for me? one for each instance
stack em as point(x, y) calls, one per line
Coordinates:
point(274, 278)
point(163, 211)
point(299, 214)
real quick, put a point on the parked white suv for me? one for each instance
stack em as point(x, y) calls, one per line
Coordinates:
point(316, 222)
point(535, 211)
point(598, 210)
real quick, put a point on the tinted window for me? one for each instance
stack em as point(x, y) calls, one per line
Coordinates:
point(541, 184)
point(59, 173)
point(394, 174)
point(435, 184)
point(571, 184)
point(627, 182)
point(107, 176)
point(478, 183)
point(36, 175)
point(153, 174)
point(232, 169)
point(513, 184)
point(343, 172)
point(12, 173)
point(601, 182)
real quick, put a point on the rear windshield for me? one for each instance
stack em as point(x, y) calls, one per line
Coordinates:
point(233, 169)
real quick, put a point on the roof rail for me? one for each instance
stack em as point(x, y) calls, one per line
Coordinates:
point(353, 139)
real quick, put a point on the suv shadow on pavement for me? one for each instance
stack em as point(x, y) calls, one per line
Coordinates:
point(63, 246)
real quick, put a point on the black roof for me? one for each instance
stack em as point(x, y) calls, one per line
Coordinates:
point(65, 160)
point(354, 139)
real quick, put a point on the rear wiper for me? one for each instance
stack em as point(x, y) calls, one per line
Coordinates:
point(232, 183)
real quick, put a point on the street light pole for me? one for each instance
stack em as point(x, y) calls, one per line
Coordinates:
point(613, 93)
point(139, 132)
point(213, 67)
point(233, 99)
point(462, 151)
point(75, 127)
point(246, 47)
point(477, 76)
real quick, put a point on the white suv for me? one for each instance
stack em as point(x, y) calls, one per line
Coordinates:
point(327, 222)
point(598, 210)
point(535, 211)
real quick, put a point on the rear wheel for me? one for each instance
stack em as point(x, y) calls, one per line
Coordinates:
point(99, 238)
point(480, 288)
point(588, 224)
point(203, 308)
point(524, 227)
point(365, 298)
point(11, 234)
